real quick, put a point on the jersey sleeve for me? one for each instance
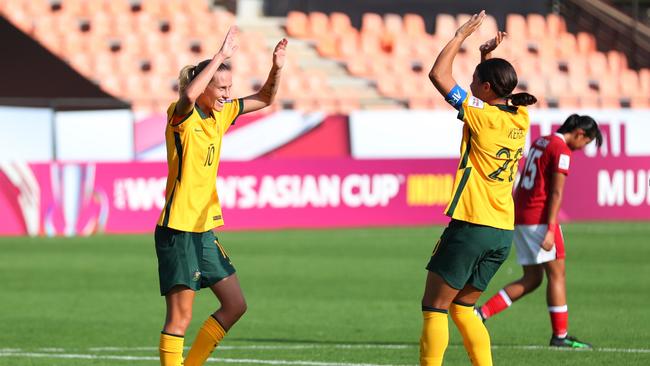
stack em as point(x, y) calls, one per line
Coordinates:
point(177, 123)
point(471, 110)
point(561, 160)
point(231, 110)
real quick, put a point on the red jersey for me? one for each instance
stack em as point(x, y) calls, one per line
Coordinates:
point(547, 155)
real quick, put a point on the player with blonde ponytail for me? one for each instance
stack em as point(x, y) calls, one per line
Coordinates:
point(190, 256)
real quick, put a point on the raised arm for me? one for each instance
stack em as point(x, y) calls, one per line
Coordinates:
point(197, 86)
point(490, 45)
point(265, 96)
point(440, 74)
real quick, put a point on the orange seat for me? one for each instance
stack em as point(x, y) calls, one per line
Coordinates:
point(555, 25)
point(617, 61)
point(597, 64)
point(372, 23)
point(389, 86)
point(536, 26)
point(488, 29)
point(348, 45)
point(414, 25)
point(629, 82)
point(297, 24)
point(516, 26)
point(370, 44)
point(445, 26)
point(357, 65)
point(318, 24)
point(340, 23)
point(586, 43)
point(327, 45)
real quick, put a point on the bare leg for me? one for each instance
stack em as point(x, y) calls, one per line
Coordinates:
point(437, 293)
point(530, 281)
point(179, 310)
point(556, 288)
point(233, 304)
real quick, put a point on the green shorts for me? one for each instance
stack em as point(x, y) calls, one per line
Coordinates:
point(195, 260)
point(470, 254)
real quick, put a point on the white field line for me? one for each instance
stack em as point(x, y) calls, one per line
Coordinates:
point(148, 358)
point(317, 346)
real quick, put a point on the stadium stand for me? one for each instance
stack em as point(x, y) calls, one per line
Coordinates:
point(134, 50)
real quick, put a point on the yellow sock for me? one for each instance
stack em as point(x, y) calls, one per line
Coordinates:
point(435, 337)
point(171, 350)
point(475, 335)
point(210, 334)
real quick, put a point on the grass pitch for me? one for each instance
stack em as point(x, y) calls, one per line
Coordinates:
point(318, 298)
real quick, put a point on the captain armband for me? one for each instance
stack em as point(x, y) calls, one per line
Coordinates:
point(456, 97)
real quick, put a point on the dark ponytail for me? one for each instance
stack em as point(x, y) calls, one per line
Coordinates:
point(522, 99)
point(503, 80)
point(585, 123)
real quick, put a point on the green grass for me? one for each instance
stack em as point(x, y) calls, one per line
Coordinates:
point(328, 296)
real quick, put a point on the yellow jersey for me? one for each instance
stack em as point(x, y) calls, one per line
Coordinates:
point(193, 150)
point(493, 142)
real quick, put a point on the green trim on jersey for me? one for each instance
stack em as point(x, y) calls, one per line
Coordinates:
point(201, 113)
point(179, 151)
point(507, 108)
point(463, 161)
point(459, 191)
point(168, 207)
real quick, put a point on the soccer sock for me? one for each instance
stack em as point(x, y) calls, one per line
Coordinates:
point(435, 336)
point(475, 335)
point(559, 320)
point(496, 304)
point(171, 350)
point(210, 334)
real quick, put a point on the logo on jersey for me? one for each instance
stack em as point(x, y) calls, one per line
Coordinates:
point(196, 276)
point(475, 102)
point(564, 162)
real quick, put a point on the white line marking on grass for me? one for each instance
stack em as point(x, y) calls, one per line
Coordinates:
point(374, 346)
point(148, 358)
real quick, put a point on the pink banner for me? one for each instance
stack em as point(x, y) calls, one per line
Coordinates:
point(81, 199)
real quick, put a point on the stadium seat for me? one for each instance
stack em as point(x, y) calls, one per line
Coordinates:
point(445, 26)
point(586, 43)
point(318, 24)
point(629, 82)
point(327, 45)
point(414, 25)
point(297, 24)
point(340, 23)
point(489, 28)
point(516, 26)
point(536, 26)
point(372, 23)
point(555, 25)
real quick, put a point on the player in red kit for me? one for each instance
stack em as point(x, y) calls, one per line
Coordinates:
point(538, 236)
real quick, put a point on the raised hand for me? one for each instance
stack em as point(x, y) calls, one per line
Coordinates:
point(229, 45)
point(279, 53)
point(493, 43)
point(471, 25)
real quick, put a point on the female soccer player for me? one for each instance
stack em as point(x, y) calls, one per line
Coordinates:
point(479, 236)
point(189, 255)
point(538, 237)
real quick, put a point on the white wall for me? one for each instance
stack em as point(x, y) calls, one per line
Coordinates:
point(94, 135)
point(431, 134)
point(26, 134)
